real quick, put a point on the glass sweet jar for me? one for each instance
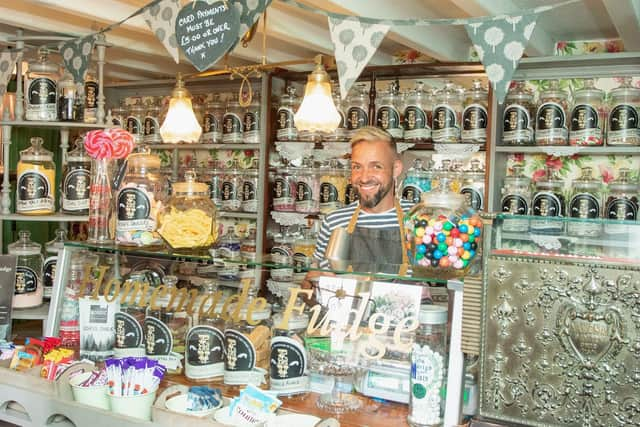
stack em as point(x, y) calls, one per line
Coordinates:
point(443, 234)
point(28, 290)
point(36, 177)
point(551, 116)
point(188, 219)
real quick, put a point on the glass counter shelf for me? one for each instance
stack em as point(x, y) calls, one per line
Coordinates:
point(559, 237)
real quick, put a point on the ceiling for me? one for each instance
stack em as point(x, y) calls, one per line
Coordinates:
point(293, 34)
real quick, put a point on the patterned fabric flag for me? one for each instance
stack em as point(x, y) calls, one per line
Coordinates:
point(500, 43)
point(354, 44)
point(7, 61)
point(249, 12)
point(161, 19)
point(76, 55)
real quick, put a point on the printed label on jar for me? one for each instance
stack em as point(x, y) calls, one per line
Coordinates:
point(515, 204)
point(240, 357)
point(49, 275)
point(117, 122)
point(158, 340)
point(350, 195)
point(287, 364)
point(623, 125)
point(584, 205)
point(229, 196)
point(91, 95)
point(34, 192)
point(231, 128)
point(42, 93)
point(134, 126)
point(283, 190)
point(285, 125)
point(551, 122)
point(586, 128)
point(211, 132)
point(517, 124)
point(411, 193)
point(249, 202)
point(304, 196)
point(151, 127)
point(473, 197)
point(27, 280)
point(474, 123)
point(388, 118)
point(622, 209)
point(427, 376)
point(282, 254)
point(357, 118)
point(547, 204)
point(205, 352)
point(301, 262)
point(445, 124)
point(415, 119)
point(76, 190)
point(128, 331)
point(134, 209)
point(251, 122)
point(328, 195)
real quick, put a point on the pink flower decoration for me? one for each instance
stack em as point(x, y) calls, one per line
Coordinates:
point(607, 174)
point(113, 143)
point(554, 162)
point(518, 157)
point(538, 175)
point(561, 45)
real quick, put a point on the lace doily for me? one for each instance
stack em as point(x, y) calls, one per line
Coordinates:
point(294, 150)
point(456, 150)
point(281, 289)
point(560, 151)
point(404, 146)
point(289, 218)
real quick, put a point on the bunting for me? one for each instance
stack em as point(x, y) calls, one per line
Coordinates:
point(161, 19)
point(76, 55)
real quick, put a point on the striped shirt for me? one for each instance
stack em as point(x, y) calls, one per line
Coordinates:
point(341, 218)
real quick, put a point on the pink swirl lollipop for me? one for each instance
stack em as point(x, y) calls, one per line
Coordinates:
point(123, 143)
point(99, 144)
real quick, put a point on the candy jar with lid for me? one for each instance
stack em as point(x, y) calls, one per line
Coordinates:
point(232, 122)
point(333, 184)
point(282, 255)
point(388, 112)
point(231, 189)
point(285, 124)
point(443, 235)
point(447, 112)
point(588, 116)
point(517, 118)
point(548, 201)
point(91, 92)
point(216, 177)
point(204, 347)
point(247, 336)
point(622, 202)
point(40, 88)
point(516, 199)
point(303, 247)
point(551, 116)
point(250, 188)
point(474, 116)
point(36, 174)
point(248, 247)
point(76, 179)
point(417, 115)
point(212, 120)
point(623, 126)
point(51, 249)
point(188, 220)
point(134, 120)
point(307, 188)
point(341, 133)
point(416, 181)
point(141, 197)
point(357, 108)
point(67, 95)
point(28, 290)
point(251, 122)
point(585, 203)
point(119, 115)
point(228, 246)
point(289, 361)
point(151, 125)
point(284, 189)
point(129, 335)
point(473, 186)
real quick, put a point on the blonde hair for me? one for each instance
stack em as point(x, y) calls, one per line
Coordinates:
point(371, 134)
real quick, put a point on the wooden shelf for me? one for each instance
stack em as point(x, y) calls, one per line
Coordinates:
point(35, 313)
point(52, 125)
point(59, 217)
point(243, 215)
point(597, 150)
point(255, 147)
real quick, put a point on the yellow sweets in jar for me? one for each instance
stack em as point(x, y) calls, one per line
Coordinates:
point(333, 186)
point(36, 175)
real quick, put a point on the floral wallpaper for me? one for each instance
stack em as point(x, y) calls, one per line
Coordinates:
point(585, 47)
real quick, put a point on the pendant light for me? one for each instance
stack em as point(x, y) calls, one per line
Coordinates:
point(317, 113)
point(180, 124)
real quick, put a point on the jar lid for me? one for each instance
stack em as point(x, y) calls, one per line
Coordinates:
point(432, 315)
point(24, 245)
point(36, 152)
point(256, 314)
point(58, 242)
point(190, 185)
point(143, 160)
point(477, 90)
point(625, 89)
point(296, 321)
point(553, 91)
point(137, 108)
point(624, 182)
point(589, 90)
point(42, 64)
point(586, 181)
point(520, 93)
point(78, 154)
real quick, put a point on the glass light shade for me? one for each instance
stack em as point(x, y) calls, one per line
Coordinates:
point(317, 113)
point(180, 124)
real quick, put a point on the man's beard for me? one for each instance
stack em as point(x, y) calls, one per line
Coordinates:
point(373, 201)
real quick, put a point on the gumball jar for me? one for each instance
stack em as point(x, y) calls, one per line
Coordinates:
point(443, 234)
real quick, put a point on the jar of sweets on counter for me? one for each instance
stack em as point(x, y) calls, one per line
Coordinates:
point(28, 291)
point(41, 88)
point(288, 368)
point(551, 116)
point(52, 248)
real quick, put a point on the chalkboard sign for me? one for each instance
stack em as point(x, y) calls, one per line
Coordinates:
point(206, 31)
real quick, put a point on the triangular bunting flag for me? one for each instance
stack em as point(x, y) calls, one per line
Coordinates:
point(249, 11)
point(354, 44)
point(76, 55)
point(161, 19)
point(500, 44)
point(7, 61)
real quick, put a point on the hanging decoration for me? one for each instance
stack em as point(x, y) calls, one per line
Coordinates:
point(500, 44)
point(354, 44)
point(161, 19)
point(249, 12)
point(7, 62)
point(76, 55)
point(206, 31)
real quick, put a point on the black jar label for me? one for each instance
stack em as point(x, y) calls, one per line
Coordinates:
point(350, 194)
point(304, 192)
point(584, 205)
point(205, 346)
point(515, 204)
point(281, 188)
point(133, 204)
point(623, 117)
point(248, 191)
point(444, 117)
point(228, 191)
point(34, 192)
point(342, 123)
point(584, 117)
point(550, 116)
point(241, 355)
point(42, 91)
point(622, 209)
point(157, 337)
point(251, 121)
point(388, 117)
point(472, 197)
point(26, 280)
point(415, 118)
point(210, 123)
point(547, 204)
point(516, 124)
point(287, 362)
point(91, 94)
point(328, 193)
point(76, 190)
point(49, 274)
point(411, 193)
point(134, 126)
point(151, 126)
point(231, 124)
point(474, 117)
point(128, 331)
point(357, 118)
point(285, 119)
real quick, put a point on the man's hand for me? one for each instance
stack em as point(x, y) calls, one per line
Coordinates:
point(311, 280)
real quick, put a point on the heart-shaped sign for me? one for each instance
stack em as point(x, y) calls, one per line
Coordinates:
point(206, 31)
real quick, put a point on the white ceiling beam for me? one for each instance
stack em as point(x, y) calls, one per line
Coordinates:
point(444, 43)
point(541, 42)
point(625, 16)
